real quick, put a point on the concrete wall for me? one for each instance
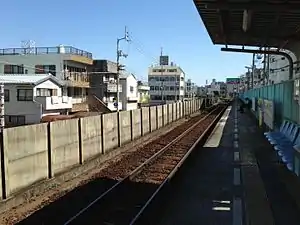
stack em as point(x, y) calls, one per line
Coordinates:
point(170, 113)
point(91, 140)
point(37, 152)
point(110, 131)
point(125, 127)
point(174, 111)
point(26, 156)
point(159, 116)
point(136, 123)
point(145, 120)
point(64, 145)
point(165, 114)
point(178, 110)
point(153, 118)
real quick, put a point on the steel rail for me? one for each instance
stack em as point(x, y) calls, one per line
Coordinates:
point(175, 169)
point(138, 169)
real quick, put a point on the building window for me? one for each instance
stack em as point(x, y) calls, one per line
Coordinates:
point(131, 89)
point(6, 95)
point(151, 88)
point(45, 69)
point(13, 69)
point(24, 94)
point(46, 92)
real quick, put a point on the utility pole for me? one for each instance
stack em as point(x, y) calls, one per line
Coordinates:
point(253, 68)
point(265, 67)
point(120, 67)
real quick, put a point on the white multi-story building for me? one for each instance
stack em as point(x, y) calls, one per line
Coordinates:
point(68, 64)
point(27, 98)
point(167, 83)
point(129, 94)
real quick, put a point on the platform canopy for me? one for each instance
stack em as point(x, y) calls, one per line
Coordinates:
point(262, 23)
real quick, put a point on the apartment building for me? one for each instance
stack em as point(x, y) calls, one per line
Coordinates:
point(167, 83)
point(104, 83)
point(216, 88)
point(190, 89)
point(68, 64)
point(29, 97)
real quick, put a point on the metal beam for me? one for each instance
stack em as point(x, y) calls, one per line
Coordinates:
point(268, 52)
point(255, 6)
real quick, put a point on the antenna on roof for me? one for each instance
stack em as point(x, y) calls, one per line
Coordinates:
point(28, 46)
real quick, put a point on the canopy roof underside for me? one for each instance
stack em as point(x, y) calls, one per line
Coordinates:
point(262, 23)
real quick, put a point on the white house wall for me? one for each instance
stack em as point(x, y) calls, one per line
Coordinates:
point(126, 93)
point(31, 110)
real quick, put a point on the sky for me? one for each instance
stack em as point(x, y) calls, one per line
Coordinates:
point(94, 26)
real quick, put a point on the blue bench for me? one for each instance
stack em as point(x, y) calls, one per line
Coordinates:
point(288, 137)
point(284, 126)
point(284, 141)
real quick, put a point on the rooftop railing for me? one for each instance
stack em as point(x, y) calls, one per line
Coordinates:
point(46, 50)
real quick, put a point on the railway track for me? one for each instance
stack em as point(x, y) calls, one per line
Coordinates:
point(125, 202)
point(73, 202)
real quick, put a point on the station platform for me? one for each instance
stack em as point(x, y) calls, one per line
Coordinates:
point(235, 178)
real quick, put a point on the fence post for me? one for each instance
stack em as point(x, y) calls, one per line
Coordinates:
point(119, 129)
point(131, 125)
point(102, 135)
point(142, 133)
point(80, 141)
point(163, 115)
point(156, 111)
point(49, 150)
point(150, 128)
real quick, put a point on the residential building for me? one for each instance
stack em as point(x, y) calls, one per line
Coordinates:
point(232, 85)
point(191, 89)
point(66, 63)
point(216, 88)
point(103, 82)
point(143, 93)
point(27, 98)
point(201, 91)
point(167, 83)
point(129, 94)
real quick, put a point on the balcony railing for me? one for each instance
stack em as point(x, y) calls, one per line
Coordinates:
point(46, 50)
point(77, 79)
point(111, 87)
point(54, 102)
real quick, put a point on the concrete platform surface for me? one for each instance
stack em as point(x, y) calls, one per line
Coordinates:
point(212, 189)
